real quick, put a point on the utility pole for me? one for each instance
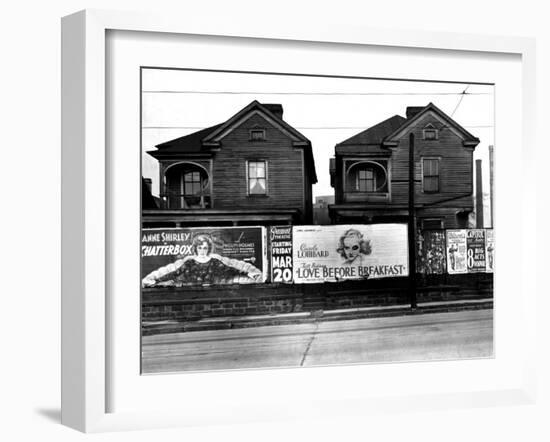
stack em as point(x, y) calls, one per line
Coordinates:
point(411, 223)
point(479, 196)
point(491, 153)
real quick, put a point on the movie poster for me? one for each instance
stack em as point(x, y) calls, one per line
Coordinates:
point(456, 252)
point(431, 251)
point(490, 250)
point(281, 253)
point(347, 252)
point(203, 256)
point(475, 242)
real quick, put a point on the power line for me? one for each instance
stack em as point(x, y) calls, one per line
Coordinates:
point(313, 93)
point(297, 127)
point(462, 95)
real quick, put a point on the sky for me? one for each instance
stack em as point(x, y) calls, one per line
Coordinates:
point(326, 110)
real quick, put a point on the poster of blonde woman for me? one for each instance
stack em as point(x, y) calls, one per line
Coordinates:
point(347, 252)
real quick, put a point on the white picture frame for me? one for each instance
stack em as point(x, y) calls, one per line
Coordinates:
point(86, 215)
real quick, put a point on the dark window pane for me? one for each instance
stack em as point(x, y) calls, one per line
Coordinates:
point(431, 184)
point(431, 167)
point(432, 224)
point(366, 180)
point(192, 183)
point(257, 135)
point(427, 167)
point(430, 134)
point(370, 185)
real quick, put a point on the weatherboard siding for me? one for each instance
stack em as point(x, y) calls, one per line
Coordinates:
point(285, 170)
point(455, 167)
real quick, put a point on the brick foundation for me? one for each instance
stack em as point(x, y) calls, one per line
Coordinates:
point(194, 303)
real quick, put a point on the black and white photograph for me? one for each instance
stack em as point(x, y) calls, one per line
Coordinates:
point(278, 221)
point(309, 220)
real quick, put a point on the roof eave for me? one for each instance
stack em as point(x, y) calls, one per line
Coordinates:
point(160, 155)
point(471, 143)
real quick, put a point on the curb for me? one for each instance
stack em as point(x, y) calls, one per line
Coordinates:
point(223, 323)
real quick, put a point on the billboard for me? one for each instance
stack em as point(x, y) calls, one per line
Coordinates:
point(203, 256)
point(475, 243)
point(343, 252)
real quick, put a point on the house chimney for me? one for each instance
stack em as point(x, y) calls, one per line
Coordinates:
point(413, 110)
point(491, 162)
point(479, 196)
point(276, 109)
point(149, 183)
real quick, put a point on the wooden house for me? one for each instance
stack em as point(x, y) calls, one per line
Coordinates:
point(370, 171)
point(253, 168)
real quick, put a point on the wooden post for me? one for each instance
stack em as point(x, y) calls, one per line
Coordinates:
point(411, 225)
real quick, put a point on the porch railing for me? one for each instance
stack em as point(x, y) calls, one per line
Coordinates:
point(357, 196)
point(174, 200)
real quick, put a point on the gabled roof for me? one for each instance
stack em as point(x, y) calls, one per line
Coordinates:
point(207, 141)
point(376, 133)
point(213, 139)
point(467, 138)
point(370, 139)
point(377, 139)
point(191, 143)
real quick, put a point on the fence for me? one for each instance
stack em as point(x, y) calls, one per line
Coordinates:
point(455, 251)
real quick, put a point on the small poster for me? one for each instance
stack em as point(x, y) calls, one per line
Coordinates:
point(281, 254)
point(475, 241)
point(431, 251)
point(490, 250)
point(456, 252)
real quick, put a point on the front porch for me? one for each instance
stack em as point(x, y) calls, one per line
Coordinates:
point(213, 217)
point(367, 213)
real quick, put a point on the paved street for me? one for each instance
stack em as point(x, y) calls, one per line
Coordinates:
point(465, 334)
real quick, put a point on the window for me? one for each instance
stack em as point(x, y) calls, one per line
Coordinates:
point(430, 132)
point(366, 180)
point(192, 183)
point(186, 186)
point(366, 176)
point(430, 175)
point(432, 224)
point(257, 177)
point(257, 135)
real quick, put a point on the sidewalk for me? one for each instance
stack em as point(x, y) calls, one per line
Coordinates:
point(230, 322)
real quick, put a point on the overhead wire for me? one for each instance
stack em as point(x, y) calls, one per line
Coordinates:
point(199, 92)
point(462, 95)
point(296, 127)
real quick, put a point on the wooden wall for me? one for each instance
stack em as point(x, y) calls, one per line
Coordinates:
point(285, 169)
point(455, 173)
point(455, 166)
